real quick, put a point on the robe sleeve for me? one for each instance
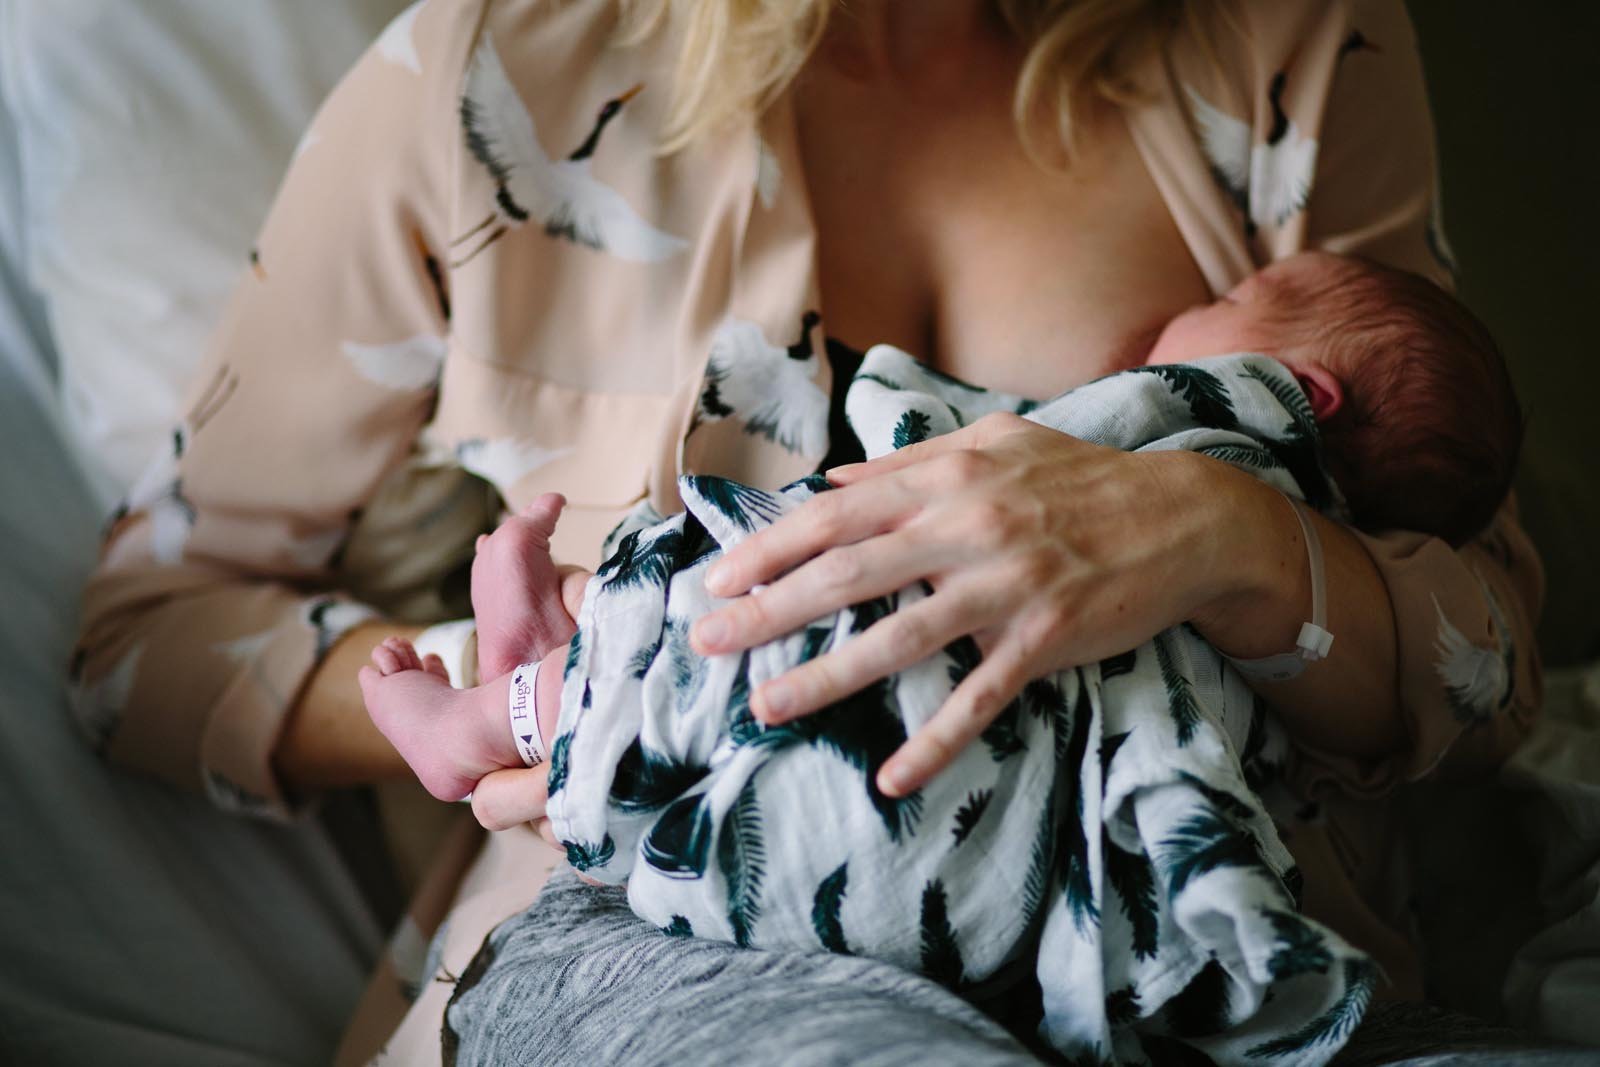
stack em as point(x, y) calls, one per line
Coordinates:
point(219, 586)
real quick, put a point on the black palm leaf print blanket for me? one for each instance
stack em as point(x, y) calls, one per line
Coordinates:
point(1103, 833)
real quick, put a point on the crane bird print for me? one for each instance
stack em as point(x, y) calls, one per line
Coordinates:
point(158, 492)
point(1269, 182)
point(397, 44)
point(159, 495)
point(404, 366)
point(771, 388)
point(561, 195)
point(97, 706)
point(1477, 681)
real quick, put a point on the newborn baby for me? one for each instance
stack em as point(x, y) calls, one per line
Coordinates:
point(1109, 802)
point(1417, 414)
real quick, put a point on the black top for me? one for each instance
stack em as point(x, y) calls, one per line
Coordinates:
point(843, 445)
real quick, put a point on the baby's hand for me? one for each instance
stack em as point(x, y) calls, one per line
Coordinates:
point(450, 737)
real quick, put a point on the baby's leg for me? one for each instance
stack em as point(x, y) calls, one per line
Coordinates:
point(517, 590)
point(453, 737)
point(450, 737)
point(547, 696)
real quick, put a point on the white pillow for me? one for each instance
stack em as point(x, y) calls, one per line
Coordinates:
point(152, 137)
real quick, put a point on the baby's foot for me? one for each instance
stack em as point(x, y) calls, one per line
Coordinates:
point(450, 737)
point(516, 590)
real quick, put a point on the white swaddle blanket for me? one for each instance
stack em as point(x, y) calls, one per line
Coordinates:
point(1103, 832)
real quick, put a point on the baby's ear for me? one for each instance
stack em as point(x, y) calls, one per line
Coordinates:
point(1323, 389)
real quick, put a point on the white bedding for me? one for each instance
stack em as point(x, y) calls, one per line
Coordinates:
point(137, 926)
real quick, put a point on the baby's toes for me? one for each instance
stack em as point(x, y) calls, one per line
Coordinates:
point(406, 653)
point(384, 658)
point(435, 666)
point(543, 513)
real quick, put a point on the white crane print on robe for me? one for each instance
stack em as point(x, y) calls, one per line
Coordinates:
point(159, 494)
point(504, 461)
point(1270, 182)
point(404, 365)
point(1477, 681)
point(561, 195)
point(771, 389)
point(246, 648)
point(331, 618)
point(396, 43)
point(97, 706)
point(769, 175)
point(230, 796)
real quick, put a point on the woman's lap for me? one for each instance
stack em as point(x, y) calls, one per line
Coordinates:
point(578, 978)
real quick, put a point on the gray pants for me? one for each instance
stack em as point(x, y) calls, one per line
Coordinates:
point(579, 979)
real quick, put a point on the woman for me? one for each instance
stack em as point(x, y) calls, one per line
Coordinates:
point(482, 257)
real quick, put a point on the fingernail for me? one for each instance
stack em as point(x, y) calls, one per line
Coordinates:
point(895, 780)
point(711, 631)
point(777, 698)
point(716, 579)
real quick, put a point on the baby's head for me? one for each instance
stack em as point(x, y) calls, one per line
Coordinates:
point(1419, 420)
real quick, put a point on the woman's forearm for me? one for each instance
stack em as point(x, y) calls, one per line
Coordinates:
point(328, 740)
point(1347, 703)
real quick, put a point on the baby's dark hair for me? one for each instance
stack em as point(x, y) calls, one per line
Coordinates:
point(1429, 433)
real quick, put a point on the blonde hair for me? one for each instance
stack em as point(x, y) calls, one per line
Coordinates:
point(735, 57)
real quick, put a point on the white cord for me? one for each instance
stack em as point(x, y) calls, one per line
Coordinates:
point(1314, 640)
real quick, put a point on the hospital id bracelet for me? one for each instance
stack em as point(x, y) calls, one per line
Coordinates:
point(524, 717)
point(1314, 641)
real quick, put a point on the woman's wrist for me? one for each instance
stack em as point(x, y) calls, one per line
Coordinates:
point(328, 739)
point(1257, 576)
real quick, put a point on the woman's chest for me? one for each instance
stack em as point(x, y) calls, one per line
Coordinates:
point(937, 233)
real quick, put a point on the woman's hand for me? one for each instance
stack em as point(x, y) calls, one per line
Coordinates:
point(1050, 551)
point(508, 798)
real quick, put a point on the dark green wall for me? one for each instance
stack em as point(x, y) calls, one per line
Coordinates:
point(1516, 101)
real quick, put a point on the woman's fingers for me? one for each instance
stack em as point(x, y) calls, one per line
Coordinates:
point(824, 521)
point(508, 798)
point(965, 439)
point(891, 644)
point(836, 579)
point(976, 703)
